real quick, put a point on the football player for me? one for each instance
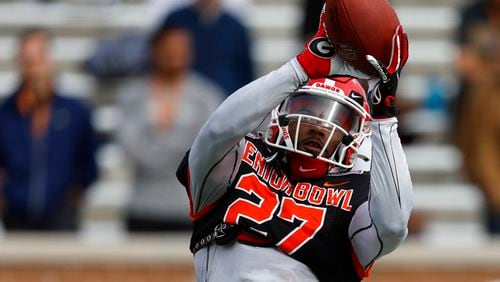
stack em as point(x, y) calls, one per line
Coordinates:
point(322, 194)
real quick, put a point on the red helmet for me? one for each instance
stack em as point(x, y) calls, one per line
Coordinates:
point(324, 120)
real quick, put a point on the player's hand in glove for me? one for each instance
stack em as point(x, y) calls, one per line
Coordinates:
point(383, 100)
point(317, 57)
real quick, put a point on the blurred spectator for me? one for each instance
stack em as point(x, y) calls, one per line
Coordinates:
point(479, 122)
point(157, 9)
point(162, 114)
point(479, 12)
point(221, 43)
point(476, 14)
point(47, 146)
point(312, 10)
point(118, 57)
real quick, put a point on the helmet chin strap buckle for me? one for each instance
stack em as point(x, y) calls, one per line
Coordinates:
point(363, 157)
point(347, 139)
point(283, 120)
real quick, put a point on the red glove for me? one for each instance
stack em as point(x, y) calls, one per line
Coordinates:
point(316, 59)
point(384, 98)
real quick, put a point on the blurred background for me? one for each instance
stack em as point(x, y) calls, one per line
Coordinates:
point(101, 99)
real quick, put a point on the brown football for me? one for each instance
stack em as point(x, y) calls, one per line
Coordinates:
point(361, 27)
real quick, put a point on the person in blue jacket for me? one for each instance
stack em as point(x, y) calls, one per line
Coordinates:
point(221, 43)
point(47, 146)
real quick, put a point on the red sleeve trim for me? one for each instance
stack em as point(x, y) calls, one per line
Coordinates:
point(195, 216)
point(202, 212)
point(362, 272)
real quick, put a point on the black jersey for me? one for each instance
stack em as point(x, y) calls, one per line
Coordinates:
point(308, 221)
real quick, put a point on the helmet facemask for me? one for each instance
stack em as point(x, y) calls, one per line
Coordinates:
point(320, 121)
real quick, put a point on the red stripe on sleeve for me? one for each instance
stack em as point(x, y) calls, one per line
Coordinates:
point(197, 215)
point(362, 272)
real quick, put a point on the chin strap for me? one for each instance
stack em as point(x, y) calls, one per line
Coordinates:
point(363, 157)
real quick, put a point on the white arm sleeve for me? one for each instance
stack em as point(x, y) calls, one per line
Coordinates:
point(215, 151)
point(380, 224)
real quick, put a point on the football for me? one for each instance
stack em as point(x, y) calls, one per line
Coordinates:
point(358, 28)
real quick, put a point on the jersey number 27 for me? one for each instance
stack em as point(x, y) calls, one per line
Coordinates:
point(311, 218)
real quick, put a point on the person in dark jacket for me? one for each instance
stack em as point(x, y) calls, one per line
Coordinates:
point(221, 43)
point(47, 146)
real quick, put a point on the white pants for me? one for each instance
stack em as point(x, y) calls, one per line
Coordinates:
point(238, 262)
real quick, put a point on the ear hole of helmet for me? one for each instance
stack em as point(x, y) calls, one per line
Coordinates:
point(350, 156)
point(272, 133)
